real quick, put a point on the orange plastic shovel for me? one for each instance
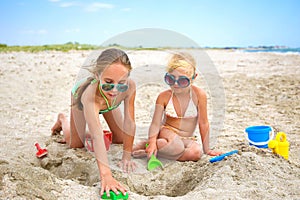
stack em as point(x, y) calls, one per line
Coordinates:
point(41, 152)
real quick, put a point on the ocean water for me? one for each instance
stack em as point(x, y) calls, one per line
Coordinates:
point(275, 50)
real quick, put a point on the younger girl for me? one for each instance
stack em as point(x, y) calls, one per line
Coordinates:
point(177, 112)
point(102, 94)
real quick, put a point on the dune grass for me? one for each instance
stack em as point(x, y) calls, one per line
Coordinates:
point(53, 47)
point(70, 46)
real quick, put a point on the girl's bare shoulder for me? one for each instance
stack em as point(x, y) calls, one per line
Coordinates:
point(164, 97)
point(131, 84)
point(131, 89)
point(89, 93)
point(200, 93)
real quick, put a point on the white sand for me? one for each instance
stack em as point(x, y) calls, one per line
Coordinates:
point(253, 89)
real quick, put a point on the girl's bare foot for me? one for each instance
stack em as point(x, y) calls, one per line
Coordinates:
point(139, 153)
point(140, 145)
point(57, 126)
point(139, 150)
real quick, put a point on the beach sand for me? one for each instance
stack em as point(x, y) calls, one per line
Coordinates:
point(244, 89)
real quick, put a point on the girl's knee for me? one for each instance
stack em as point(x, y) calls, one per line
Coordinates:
point(172, 149)
point(195, 153)
point(161, 142)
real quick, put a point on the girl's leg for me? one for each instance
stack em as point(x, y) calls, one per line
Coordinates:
point(71, 129)
point(192, 152)
point(139, 150)
point(62, 124)
point(161, 142)
point(77, 129)
point(57, 127)
point(114, 120)
point(169, 144)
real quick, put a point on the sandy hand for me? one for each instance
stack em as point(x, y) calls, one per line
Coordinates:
point(109, 183)
point(151, 149)
point(214, 153)
point(126, 164)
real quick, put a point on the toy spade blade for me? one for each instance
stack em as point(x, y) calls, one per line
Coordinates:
point(221, 157)
point(153, 163)
point(41, 152)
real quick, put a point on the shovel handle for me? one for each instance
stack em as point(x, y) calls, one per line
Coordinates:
point(221, 157)
point(37, 146)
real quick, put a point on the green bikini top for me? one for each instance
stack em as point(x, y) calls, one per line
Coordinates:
point(109, 108)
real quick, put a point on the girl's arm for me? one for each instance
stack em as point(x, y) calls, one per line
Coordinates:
point(203, 119)
point(91, 113)
point(155, 124)
point(203, 123)
point(129, 122)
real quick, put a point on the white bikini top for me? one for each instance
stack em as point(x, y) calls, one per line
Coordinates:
point(190, 112)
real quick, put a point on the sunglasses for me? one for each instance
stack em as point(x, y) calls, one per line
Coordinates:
point(182, 81)
point(109, 86)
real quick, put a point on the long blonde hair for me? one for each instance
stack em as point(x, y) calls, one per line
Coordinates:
point(184, 60)
point(105, 59)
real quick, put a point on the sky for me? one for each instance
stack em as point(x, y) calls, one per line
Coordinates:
point(209, 23)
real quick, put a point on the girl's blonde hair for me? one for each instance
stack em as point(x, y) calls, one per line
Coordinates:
point(105, 59)
point(184, 60)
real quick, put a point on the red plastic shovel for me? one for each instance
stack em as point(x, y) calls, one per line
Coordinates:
point(41, 152)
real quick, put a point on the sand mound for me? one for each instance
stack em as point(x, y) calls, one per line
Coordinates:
point(251, 174)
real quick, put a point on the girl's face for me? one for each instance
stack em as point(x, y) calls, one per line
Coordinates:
point(114, 80)
point(179, 80)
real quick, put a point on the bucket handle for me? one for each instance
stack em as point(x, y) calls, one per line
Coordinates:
point(260, 143)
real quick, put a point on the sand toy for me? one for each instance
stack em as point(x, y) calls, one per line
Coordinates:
point(280, 145)
point(222, 156)
point(41, 152)
point(107, 135)
point(153, 162)
point(114, 196)
point(259, 136)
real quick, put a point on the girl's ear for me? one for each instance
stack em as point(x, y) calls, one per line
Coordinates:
point(97, 76)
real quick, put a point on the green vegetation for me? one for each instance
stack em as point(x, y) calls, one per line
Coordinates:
point(115, 45)
point(72, 46)
point(53, 47)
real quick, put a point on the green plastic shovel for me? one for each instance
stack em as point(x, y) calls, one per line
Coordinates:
point(153, 162)
point(114, 196)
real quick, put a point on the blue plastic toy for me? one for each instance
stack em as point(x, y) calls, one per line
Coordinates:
point(221, 157)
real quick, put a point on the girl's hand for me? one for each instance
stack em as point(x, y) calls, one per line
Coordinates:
point(151, 149)
point(109, 183)
point(214, 153)
point(126, 164)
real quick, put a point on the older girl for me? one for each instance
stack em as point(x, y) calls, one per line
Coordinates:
point(102, 94)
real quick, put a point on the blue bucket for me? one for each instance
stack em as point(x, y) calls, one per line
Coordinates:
point(259, 136)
